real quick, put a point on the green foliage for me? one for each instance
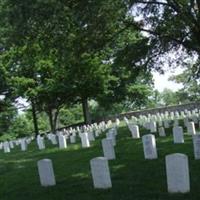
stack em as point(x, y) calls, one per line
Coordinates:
point(173, 26)
point(7, 115)
point(21, 127)
point(169, 97)
point(139, 95)
point(69, 116)
point(83, 50)
point(191, 86)
point(99, 112)
point(43, 122)
point(155, 99)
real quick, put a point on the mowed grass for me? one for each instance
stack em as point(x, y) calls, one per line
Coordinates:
point(133, 177)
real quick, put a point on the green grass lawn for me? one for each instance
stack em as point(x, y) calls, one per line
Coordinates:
point(133, 178)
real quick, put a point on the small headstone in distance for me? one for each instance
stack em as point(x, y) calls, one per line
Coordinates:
point(149, 146)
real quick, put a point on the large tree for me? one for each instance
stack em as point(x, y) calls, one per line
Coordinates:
point(172, 26)
point(31, 54)
point(71, 51)
point(7, 109)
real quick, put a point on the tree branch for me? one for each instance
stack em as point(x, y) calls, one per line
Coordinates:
point(157, 3)
point(181, 41)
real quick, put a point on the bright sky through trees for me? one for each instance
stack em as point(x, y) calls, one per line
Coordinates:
point(161, 80)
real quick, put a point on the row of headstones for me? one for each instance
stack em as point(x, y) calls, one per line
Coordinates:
point(86, 138)
point(177, 172)
point(85, 142)
point(100, 168)
point(153, 125)
point(177, 130)
point(45, 166)
point(193, 115)
point(87, 131)
point(177, 169)
point(165, 120)
point(98, 164)
point(8, 145)
point(86, 134)
point(149, 141)
point(158, 117)
point(150, 150)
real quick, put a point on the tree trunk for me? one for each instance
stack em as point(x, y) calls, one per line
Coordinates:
point(49, 113)
point(86, 113)
point(35, 123)
point(53, 119)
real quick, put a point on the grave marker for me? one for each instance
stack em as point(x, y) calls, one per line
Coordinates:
point(149, 146)
point(178, 135)
point(178, 180)
point(108, 148)
point(100, 173)
point(46, 173)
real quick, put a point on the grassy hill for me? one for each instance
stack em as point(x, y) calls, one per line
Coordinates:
point(133, 178)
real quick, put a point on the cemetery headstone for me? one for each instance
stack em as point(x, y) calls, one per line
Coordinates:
point(161, 131)
point(85, 140)
point(100, 173)
point(196, 145)
point(62, 142)
point(191, 128)
point(46, 172)
point(178, 180)
point(149, 146)
point(178, 135)
point(134, 130)
point(108, 148)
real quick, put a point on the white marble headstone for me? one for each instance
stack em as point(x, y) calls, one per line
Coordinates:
point(191, 128)
point(134, 130)
point(6, 147)
point(91, 136)
point(178, 135)
point(62, 142)
point(46, 172)
point(161, 131)
point(111, 135)
point(100, 173)
point(196, 145)
point(178, 180)
point(40, 142)
point(72, 139)
point(108, 148)
point(23, 144)
point(85, 140)
point(153, 127)
point(149, 146)
point(166, 123)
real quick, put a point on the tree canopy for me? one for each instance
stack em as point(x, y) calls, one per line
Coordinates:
point(61, 53)
point(172, 25)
